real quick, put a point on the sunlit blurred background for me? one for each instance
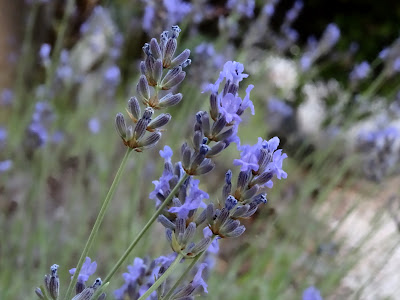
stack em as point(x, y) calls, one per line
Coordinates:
point(326, 77)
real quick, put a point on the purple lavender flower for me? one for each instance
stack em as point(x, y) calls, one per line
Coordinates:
point(6, 98)
point(396, 64)
point(360, 71)
point(112, 76)
point(384, 53)
point(312, 293)
point(6, 165)
point(229, 104)
point(177, 10)
point(214, 246)
point(269, 9)
point(331, 35)
point(44, 53)
point(88, 269)
point(198, 280)
point(38, 133)
point(277, 106)
point(250, 155)
point(141, 276)
point(305, 62)
point(148, 16)
point(3, 135)
point(193, 200)
point(244, 8)
point(166, 153)
point(94, 125)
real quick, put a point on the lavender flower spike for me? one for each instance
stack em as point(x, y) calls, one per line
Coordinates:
point(262, 158)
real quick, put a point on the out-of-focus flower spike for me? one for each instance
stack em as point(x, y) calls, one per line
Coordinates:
point(155, 49)
point(134, 109)
point(170, 100)
point(143, 89)
point(181, 58)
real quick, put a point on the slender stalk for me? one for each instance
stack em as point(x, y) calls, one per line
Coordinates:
point(375, 85)
point(59, 43)
point(146, 227)
point(97, 224)
point(183, 276)
point(163, 277)
point(25, 55)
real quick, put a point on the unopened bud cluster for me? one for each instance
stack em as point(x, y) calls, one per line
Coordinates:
point(159, 58)
point(52, 287)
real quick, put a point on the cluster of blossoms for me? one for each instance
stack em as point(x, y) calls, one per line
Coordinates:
point(187, 214)
point(159, 57)
point(180, 201)
point(382, 151)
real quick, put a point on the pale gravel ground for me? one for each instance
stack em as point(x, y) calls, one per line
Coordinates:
point(377, 273)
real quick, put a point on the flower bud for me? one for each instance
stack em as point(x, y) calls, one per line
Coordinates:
point(150, 141)
point(155, 49)
point(120, 125)
point(134, 108)
point(143, 89)
point(170, 49)
point(159, 121)
point(173, 78)
point(181, 58)
point(170, 100)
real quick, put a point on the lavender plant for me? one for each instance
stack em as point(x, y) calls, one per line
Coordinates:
point(177, 194)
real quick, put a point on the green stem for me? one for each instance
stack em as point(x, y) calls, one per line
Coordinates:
point(163, 277)
point(59, 43)
point(375, 85)
point(97, 224)
point(183, 276)
point(26, 55)
point(146, 227)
